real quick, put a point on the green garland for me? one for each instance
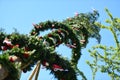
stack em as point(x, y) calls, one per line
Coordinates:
point(66, 31)
point(32, 48)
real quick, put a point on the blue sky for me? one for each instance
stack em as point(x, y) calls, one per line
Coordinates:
point(21, 14)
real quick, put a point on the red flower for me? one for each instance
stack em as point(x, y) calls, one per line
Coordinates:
point(26, 55)
point(4, 48)
point(7, 46)
point(8, 43)
point(11, 59)
point(10, 46)
point(57, 68)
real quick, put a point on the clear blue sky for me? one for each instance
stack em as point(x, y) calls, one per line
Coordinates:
point(20, 14)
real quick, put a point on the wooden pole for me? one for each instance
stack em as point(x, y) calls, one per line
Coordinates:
point(35, 71)
point(38, 70)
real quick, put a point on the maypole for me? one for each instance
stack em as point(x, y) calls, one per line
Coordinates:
point(21, 52)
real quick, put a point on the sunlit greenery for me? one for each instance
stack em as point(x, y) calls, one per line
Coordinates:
point(106, 59)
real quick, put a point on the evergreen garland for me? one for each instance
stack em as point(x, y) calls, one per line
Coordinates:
point(73, 32)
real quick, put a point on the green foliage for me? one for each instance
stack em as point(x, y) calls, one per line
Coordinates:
point(107, 58)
